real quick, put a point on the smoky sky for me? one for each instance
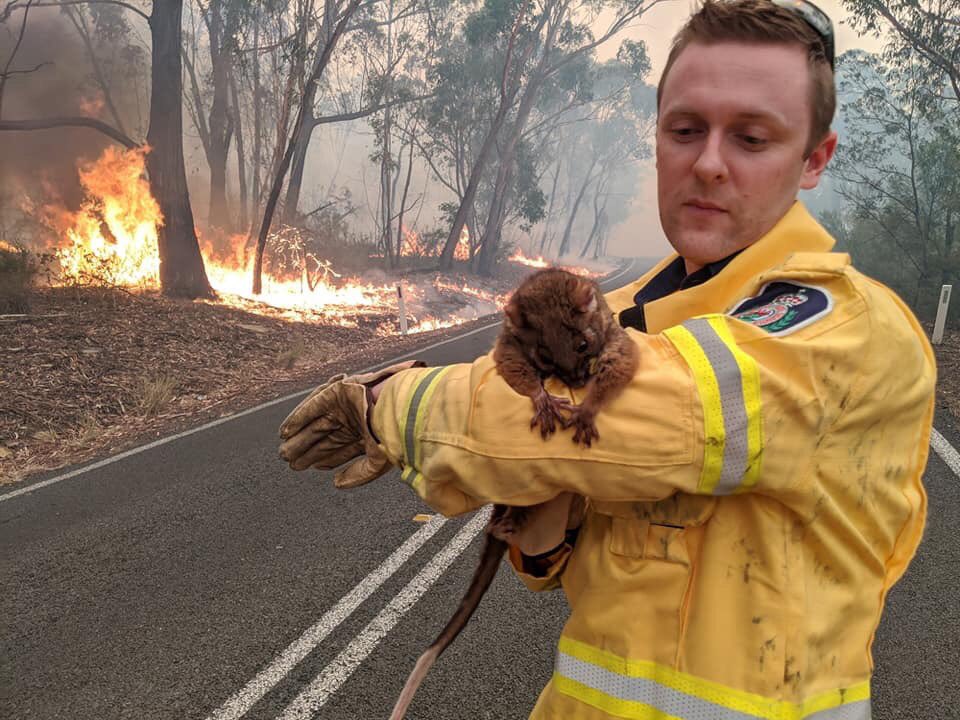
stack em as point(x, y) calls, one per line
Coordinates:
point(43, 163)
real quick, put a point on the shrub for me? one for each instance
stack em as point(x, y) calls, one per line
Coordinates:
point(18, 270)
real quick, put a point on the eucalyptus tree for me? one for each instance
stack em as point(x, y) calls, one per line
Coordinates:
point(921, 33)
point(212, 100)
point(611, 134)
point(898, 167)
point(536, 40)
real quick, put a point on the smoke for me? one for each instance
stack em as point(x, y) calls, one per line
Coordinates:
point(40, 166)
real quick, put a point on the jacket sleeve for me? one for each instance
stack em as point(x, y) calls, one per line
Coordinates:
point(717, 406)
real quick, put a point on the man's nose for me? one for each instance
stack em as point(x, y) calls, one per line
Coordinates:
point(710, 166)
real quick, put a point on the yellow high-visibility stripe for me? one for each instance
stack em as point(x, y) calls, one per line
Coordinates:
point(421, 411)
point(750, 377)
point(675, 695)
point(411, 422)
point(714, 435)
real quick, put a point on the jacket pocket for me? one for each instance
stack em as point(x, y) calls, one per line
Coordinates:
point(630, 582)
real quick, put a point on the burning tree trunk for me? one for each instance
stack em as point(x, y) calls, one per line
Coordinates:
point(181, 266)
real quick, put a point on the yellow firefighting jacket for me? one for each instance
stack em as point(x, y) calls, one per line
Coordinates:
point(754, 494)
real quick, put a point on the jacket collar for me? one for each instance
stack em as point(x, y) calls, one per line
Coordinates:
point(797, 231)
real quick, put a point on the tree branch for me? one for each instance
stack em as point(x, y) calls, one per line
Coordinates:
point(62, 3)
point(364, 112)
point(58, 122)
point(6, 68)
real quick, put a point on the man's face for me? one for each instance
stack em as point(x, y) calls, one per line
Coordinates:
point(733, 124)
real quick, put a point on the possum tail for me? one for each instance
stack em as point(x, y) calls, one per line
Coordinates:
point(490, 557)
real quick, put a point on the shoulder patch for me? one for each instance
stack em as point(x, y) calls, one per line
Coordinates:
point(783, 307)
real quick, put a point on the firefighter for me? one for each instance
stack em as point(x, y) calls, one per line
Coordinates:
point(756, 490)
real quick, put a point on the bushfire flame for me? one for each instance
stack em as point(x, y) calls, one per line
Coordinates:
point(112, 240)
point(537, 262)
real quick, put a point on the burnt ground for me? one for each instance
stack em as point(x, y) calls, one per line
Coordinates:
point(87, 373)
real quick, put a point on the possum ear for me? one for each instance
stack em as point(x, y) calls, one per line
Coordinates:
point(514, 314)
point(584, 297)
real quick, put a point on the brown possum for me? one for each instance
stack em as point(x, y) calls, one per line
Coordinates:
point(556, 324)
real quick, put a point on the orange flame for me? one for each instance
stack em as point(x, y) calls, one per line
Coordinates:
point(112, 240)
point(537, 262)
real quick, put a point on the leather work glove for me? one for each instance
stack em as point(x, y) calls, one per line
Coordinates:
point(545, 529)
point(331, 427)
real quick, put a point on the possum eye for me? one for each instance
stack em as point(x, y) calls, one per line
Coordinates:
point(582, 346)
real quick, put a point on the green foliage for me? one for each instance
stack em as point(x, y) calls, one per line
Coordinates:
point(921, 34)
point(898, 167)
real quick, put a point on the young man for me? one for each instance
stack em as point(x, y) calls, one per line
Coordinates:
point(756, 490)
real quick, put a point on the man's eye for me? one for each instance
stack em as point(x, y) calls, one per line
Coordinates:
point(684, 133)
point(753, 140)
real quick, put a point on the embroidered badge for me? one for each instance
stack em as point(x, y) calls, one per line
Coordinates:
point(783, 307)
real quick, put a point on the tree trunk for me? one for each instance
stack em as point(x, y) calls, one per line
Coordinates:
point(241, 155)
point(470, 192)
point(257, 122)
point(491, 231)
point(291, 203)
point(219, 149)
point(568, 230)
point(549, 215)
point(323, 59)
point(181, 266)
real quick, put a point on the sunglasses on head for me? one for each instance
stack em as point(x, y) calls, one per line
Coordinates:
point(815, 18)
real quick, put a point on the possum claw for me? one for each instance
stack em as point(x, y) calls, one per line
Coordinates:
point(547, 413)
point(585, 429)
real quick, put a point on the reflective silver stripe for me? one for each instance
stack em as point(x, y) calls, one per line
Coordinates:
point(409, 438)
point(730, 383)
point(859, 710)
point(674, 702)
point(634, 689)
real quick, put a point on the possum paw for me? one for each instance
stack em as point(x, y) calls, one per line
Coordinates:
point(585, 429)
point(504, 525)
point(547, 413)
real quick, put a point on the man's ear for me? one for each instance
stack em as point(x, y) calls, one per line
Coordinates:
point(817, 161)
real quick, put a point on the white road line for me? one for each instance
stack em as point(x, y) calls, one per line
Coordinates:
point(228, 418)
point(267, 678)
point(946, 451)
point(248, 411)
point(311, 699)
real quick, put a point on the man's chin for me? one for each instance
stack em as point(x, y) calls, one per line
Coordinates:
point(700, 247)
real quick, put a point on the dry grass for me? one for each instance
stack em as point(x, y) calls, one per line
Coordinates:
point(289, 357)
point(155, 393)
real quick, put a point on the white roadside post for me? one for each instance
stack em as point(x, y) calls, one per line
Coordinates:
point(941, 314)
point(403, 310)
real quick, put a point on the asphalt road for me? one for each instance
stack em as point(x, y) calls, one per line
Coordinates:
point(203, 579)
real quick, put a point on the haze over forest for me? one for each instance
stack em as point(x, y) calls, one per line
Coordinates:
point(578, 176)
